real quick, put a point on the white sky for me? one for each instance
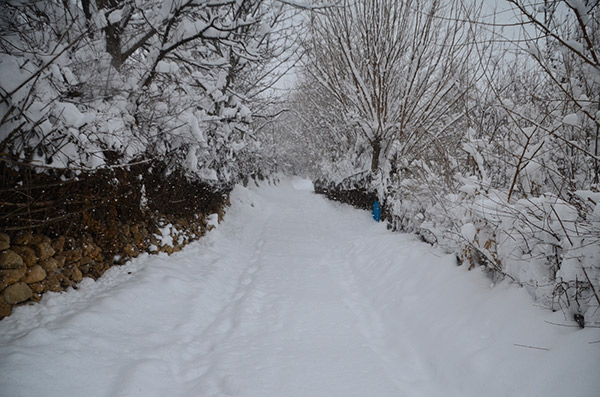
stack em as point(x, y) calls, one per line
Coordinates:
point(504, 14)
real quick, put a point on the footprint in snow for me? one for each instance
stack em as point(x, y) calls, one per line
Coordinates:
point(230, 386)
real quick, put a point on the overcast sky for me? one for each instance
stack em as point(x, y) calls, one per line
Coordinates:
point(498, 10)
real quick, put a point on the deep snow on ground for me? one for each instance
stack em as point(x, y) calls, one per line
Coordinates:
point(295, 296)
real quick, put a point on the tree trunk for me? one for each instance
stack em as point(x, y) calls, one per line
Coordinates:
point(113, 45)
point(112, 31)
point(376, 146)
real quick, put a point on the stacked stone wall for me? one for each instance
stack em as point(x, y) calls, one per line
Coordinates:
point(57, 228)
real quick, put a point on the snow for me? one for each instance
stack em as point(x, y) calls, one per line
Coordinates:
point(195, 128)
point(577, 46)
point(167, 67)
point(471, 148)
point(115, 16)
point(11, 73)
point(293, 295)
point(165, 237)
point(590, 197)
point(192, 159)
point(212, 220)
point(70, 114)
point(208, 174)
point(468, 231)
point(571, 119)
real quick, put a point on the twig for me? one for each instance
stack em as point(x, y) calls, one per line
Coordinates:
point(564, 229)
point(532, 347)
point(570, 326)
point(73, 168)
point(562, 325)
point(4, 98)
point(18, 189)
point(34, 204)
point(591, 285)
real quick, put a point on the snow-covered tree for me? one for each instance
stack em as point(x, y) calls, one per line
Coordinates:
point(396, 71)
point(97, 83)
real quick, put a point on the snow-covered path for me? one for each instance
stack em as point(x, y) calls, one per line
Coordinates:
point(295, 296)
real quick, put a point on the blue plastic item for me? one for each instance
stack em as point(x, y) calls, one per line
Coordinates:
point(376, 211)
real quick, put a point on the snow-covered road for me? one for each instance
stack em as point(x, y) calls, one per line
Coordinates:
point(295, 296)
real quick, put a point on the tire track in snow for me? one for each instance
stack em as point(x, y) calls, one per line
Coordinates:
point(245, 301)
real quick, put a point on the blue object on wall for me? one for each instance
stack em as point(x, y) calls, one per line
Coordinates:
point(376, 211)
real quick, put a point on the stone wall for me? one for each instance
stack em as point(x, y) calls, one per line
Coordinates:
point(355, 196)
point(61, 226)
point(32, 264)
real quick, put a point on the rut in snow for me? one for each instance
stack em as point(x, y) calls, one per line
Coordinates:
point(294, 295)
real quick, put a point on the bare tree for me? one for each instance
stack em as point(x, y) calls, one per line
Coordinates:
point(396, 69)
